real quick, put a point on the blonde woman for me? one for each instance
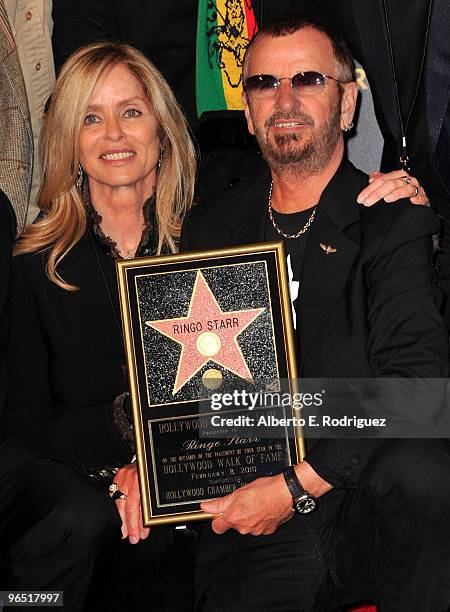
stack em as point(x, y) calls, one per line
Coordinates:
point(119, 170)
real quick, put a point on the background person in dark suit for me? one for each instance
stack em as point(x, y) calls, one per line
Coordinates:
point(367, 310)
point(406, 55)
point(405, 50)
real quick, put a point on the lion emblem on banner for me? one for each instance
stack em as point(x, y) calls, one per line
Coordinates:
point(226, 38)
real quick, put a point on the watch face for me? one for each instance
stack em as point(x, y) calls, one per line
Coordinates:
point(306, 505)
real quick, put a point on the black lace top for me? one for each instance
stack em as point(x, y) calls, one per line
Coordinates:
point(147, 246)
point(149, 240)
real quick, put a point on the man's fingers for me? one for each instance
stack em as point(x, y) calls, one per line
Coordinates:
point(392, 187)
point(377, 191)
point(397, 194)
point(379, 185)
point(216, 506)
point(393, 174)
point(413, 191)
point(365, 193)
point(219, 525)
point(421, 200)
point(380, 176)
point(374, 175)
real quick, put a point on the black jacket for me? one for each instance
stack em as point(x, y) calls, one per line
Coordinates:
point(66, 357)
point(369, 310)
point(7, 233)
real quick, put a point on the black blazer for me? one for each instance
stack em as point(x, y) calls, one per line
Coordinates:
point(66, 357)
point(7, 233)
point(437, 88)
point(369, 310)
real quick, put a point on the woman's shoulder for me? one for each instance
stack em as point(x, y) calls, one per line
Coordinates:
point(33, 265)
point(30, 269)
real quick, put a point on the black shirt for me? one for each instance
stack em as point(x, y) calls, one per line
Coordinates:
point(295, 248)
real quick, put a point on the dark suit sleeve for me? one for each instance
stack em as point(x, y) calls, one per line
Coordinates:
point(444, 258)
point(85, 434)
point(79, 22)
point(407, 337)
point(7, 233)
point(407, 334)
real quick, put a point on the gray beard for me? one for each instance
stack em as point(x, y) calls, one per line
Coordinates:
point(287, 155)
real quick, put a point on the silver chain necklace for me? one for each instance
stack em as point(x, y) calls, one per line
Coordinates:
point(278, 229)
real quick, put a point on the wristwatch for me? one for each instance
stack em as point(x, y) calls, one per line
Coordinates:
point(302, 501)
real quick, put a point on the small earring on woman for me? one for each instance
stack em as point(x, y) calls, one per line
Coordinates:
point(80, 177)
point(349, 126)
point(158, 165)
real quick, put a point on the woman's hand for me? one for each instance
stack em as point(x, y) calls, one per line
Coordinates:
point(391, 187)
point(130, 508)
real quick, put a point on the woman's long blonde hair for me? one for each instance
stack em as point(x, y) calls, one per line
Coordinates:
point(64, 220)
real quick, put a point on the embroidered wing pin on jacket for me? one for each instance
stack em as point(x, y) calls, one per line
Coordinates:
point(327, 248)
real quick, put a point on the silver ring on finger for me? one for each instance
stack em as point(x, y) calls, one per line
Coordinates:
point(115, 492)
point(118, 495)
point(406, 179)
point(113, 487)
point(417, 191)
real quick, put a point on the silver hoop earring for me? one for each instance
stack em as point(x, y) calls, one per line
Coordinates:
point(80, 177)
point(349, 127)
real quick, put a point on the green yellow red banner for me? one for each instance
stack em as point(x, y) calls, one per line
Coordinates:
point(224, 29)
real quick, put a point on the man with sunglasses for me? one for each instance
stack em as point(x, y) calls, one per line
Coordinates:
point(357, 518)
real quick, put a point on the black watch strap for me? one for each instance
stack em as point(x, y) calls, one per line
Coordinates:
point(302, 501)
point(293, 483)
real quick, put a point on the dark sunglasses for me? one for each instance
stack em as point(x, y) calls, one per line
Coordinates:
point(266, 85)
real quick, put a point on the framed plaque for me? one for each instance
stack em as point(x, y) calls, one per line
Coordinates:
point(200, 327)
